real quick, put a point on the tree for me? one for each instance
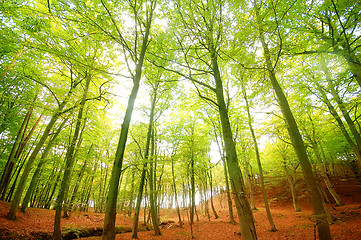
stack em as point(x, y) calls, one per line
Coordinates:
point(69, 160)
point(296, 138)
point(203, 26)
point(43, 159)
point(150, 137)
point(264, 194)
point(110, 28)
point(332, 27)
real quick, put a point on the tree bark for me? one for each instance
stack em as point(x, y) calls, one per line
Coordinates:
point(175, 194)
point(78, 144)
point(244, 211)
point(317, 202)
point(139, 201)
point(111, 204)
point(291, 182)
point(141, 187)
point(69, 163)
point(341, 125)
point(152, 173)
point(228, 191)
point(192, 199)
point(211, 186)
point(264, 194)
point(80, 177)
point(5, 177)
point(36, 174)
point(324, 175)
point(341, 106)
point(130, 207)
point(19, 191)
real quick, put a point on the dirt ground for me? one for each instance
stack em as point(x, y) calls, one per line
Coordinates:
point(290, 224)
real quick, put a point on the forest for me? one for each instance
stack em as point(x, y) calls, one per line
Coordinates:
point(180, 119)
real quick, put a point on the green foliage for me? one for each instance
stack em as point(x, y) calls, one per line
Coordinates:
point(50, 49)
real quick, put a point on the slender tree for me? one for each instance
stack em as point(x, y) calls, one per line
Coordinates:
point(296, 138)
point(42, 161)
point(69, 160)
point(255, 143)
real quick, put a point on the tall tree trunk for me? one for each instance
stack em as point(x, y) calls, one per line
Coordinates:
point(248, 179)
point(346, 115)
point(324, 175)
point(79, 180)
point(211, 186)
point(111, 204)
point(57, 180)
point(69, 163)
point(264, 194)
point(244, 211)
point(175, 194)
point(130, 207)
point(152, 172)
point(20, 166)
point(341, 125)
point(291, 182)
point(36, 174)
point(228, 192)
point(139, 201)
point(76, 148)
point(5, 178)
point(19, 191)
point(142, 180)
point(296, 138)
point(205, 199)
point(192, 184)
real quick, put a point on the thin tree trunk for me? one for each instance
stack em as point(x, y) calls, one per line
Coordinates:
point(80, 177)
point(19, 191)
point(324, 175)
point(21, 165)
point(264, 194)
point(244, 210)
point(139, 201)
point(341, 105)
point(57, 180)
point(291, 182)
point(130, 207)
point(296, 138)
point(110, 212)
point(211, 186)
point(69, 163)
point(175, 193)
point(249, 183)
point(228, 192)
point(330, 188)
point(205, 200)
point(5, 178)
point(141, 187)
point(341, 125)
point(78, 144)
point(152, 172)
point(192, 184)
point(36, 174)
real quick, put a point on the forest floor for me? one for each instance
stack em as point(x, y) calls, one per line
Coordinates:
point(290, 224)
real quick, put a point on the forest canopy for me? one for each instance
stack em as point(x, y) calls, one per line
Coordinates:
point(118, 106)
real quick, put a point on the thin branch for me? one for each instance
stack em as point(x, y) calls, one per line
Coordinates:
point(203, 97)
point(123, 42)
point(342, 26)
point(185, 76)
point(44, 85)
point(139, 147)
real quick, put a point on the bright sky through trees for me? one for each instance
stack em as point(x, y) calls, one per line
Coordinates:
point(129, 106)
